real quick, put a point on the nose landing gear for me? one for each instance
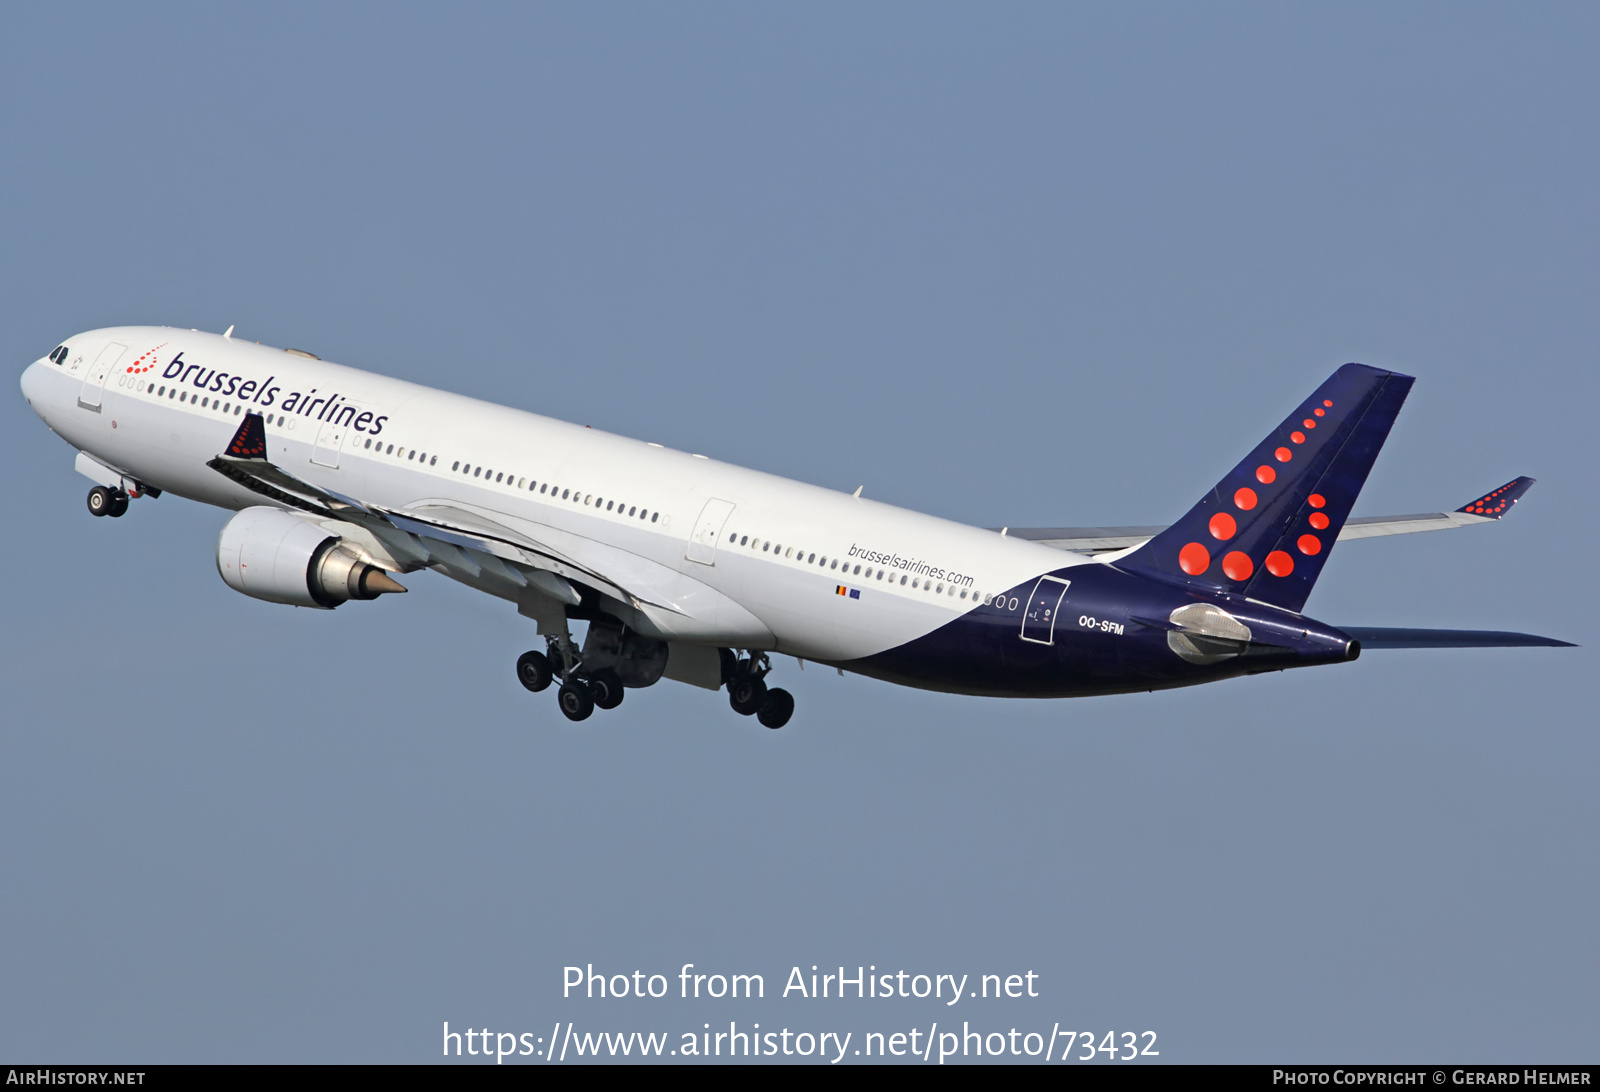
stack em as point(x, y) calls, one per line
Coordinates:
point(107, 502)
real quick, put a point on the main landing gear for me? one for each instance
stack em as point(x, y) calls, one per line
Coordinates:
point(748, 692)
point(578, 695)
point(107, 502)
point(581, 692)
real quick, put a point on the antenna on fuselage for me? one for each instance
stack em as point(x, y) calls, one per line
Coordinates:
point(228, 333)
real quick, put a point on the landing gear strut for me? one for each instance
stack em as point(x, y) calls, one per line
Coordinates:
point(580, 694)
point(583, 690)
point(107, 502)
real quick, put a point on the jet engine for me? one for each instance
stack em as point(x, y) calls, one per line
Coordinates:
point(271, 554)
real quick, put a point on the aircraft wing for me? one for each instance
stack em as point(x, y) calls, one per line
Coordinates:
point(465, 539)
point(445, 533)
point(1485, 509)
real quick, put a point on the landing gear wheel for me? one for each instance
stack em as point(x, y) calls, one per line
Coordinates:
point(575, 700)
point(606, 689)
point(119, 504)
point(746, 693)
point(101, 501)
point(533, 670)
point(776, 709)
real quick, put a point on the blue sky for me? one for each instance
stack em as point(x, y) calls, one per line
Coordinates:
point(1020, 264)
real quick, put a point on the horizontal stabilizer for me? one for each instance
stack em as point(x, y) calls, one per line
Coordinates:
point(1100, 540)
point(1381, 637)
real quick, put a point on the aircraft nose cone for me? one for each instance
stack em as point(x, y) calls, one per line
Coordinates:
point(33, 382)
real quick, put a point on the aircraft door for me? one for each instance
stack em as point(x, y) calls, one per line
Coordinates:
point(1044, 603)
point(330, 438)
point(707, 529)
point(94, 382)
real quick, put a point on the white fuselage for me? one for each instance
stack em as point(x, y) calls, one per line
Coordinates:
point(712, 553)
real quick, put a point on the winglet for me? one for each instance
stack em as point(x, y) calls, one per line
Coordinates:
point(1497, 504)
point(250, 442)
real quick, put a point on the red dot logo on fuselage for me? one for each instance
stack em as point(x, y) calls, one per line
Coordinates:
point(145, 362)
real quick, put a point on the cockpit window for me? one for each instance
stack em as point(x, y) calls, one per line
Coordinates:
point(59, 354)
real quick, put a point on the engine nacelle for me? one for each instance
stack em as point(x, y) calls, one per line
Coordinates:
point(271, 554)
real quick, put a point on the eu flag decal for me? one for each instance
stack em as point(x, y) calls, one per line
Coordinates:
point(853, 593)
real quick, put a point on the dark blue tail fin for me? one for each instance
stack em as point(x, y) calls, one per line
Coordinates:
point(1266, 530)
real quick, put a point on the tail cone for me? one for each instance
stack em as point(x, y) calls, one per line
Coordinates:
point(375, 582)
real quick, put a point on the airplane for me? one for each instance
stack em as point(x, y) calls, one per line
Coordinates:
point(690, 569)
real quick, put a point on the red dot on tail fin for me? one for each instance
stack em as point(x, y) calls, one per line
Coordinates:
point(1238, 566)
